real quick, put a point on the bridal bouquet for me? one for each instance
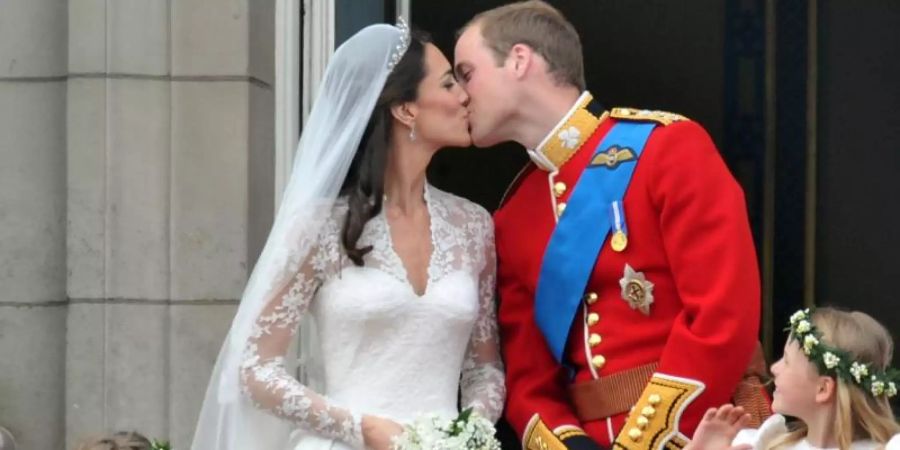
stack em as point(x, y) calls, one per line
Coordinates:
point(469, 431)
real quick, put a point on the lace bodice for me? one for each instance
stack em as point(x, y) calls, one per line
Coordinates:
point(386, 350)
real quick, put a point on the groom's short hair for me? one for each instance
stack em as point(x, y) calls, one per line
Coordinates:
point(539, 26)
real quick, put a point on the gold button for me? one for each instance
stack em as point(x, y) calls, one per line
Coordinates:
point(593, 318)
point(591, 298)
point(598, 361)
point(594, 339)
point(560, 208)
point(654, 399)
point(643, 422)
point(635, 434)
point(648, 412)
point(559, 188)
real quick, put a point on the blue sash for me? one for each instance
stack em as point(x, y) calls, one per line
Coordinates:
point(575, 245)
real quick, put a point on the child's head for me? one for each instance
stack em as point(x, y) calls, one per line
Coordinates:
point(829, 362)
point(122, 440)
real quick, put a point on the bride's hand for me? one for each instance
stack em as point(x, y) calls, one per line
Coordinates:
point(378, 432)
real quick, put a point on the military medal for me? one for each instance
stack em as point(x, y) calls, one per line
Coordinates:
point(619, 239)
point(637, 291)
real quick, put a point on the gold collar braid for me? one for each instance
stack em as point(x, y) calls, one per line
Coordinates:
point(559, 146)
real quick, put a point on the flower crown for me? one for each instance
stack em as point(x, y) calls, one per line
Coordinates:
point(400, 49)
point(839, 363)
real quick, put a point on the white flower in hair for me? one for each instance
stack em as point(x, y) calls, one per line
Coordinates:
point(891, 389)
point(831, 360)
point(858, 371)
point(803, 326)
point(797, 316)
point(809, 342)
point(877, 388)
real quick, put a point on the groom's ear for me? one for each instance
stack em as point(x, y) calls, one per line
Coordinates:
point(405, 113)
point(521, 58)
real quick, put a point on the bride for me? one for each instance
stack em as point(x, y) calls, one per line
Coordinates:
point(395, 276)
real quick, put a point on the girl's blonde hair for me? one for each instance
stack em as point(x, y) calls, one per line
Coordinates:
point(859, 414)
point(122, 440)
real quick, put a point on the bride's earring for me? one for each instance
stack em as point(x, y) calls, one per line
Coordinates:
point(412, 132)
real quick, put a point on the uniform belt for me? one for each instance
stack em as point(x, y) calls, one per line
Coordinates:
point(617, 393)
point(612, 394)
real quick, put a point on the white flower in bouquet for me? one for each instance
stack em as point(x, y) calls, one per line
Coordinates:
point(469, 431)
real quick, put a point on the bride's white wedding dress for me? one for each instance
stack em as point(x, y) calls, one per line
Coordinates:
point(385, 350)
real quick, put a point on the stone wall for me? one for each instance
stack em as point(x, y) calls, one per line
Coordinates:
point(136, 189)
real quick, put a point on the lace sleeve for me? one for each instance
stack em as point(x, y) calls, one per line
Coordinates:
point(265, 379)
point(482, 382)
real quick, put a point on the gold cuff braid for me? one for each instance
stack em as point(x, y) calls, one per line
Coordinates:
point(538, 436)
point(653, 423)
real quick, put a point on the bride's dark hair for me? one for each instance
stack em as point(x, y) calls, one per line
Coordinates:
point(364, 185)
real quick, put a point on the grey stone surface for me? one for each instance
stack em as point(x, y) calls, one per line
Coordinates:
point(138, 192)
point(87, 189)
point(140, 366)
point(32, 191)
point(32, 364)
point(262, 170)
point(137, 195)
point(262, 41)
point(33, 36)
point(209, 37)
point(32, 220)
point(85, 374)
point(136, 369)
point(87, 36)
point(209, 179)
point(138, 37)
point(197, 334)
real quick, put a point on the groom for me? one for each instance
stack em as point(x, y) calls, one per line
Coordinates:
point(629, 289)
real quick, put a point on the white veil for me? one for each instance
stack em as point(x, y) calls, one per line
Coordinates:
point(350, 88)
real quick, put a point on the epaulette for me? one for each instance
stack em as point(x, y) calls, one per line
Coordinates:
point(645, 115)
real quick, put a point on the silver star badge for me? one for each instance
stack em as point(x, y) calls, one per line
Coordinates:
point(636, 290)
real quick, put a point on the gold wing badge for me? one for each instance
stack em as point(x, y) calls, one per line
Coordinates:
point(612, 157)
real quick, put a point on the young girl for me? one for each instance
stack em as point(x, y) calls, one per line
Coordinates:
point(834, 378)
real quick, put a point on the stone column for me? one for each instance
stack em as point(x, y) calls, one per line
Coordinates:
point(32, 220)
point(170, 124)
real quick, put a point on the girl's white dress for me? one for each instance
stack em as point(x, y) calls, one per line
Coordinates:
point(775, 426)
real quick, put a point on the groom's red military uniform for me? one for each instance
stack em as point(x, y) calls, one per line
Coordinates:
point(667, 323)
